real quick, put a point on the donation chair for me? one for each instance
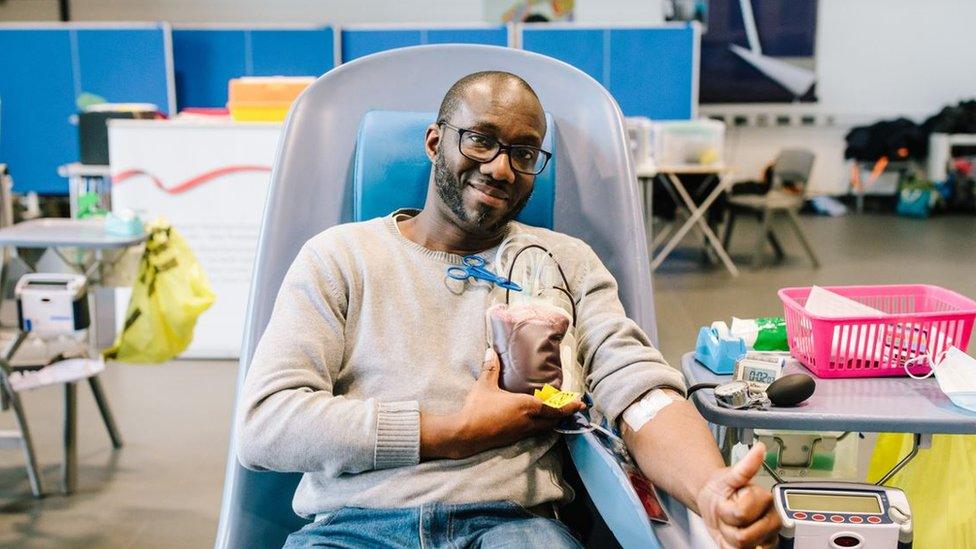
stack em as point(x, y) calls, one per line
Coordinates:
point(352, 149)
point(790, 175)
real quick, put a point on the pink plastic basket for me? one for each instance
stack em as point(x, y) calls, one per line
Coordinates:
point(920, 319)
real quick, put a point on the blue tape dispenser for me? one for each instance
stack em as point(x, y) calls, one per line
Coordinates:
point(717, 350)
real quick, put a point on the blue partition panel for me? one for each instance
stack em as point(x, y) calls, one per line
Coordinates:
point(581, 48)
point(651, 71)
point(206, 58)
point(44, 69)
point(494, 36)
point(292, 52)
point(37, 99)
point(359, 42)
point(125, 66)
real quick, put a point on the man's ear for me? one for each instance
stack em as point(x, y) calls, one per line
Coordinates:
point(432, 141)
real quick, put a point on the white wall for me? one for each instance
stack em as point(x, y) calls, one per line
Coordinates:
point(750, 149)
point(29, 10)
point(252, 11)
point(895, 57)
point(645, 12)
point(876, 59)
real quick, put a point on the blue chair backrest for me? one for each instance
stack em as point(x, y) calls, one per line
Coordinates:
point(392, 171)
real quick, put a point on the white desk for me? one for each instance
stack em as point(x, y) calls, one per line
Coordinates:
point(670, 177)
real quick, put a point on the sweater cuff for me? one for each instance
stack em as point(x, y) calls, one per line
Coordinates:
point(397, 435)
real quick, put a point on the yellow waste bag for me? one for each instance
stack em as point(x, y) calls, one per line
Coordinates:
point(170, 292)
point(940, 484)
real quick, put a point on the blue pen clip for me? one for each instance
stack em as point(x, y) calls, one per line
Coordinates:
point(473, 266)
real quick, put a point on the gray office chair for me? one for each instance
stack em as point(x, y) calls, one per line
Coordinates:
point(317, 183)
point(790, 175)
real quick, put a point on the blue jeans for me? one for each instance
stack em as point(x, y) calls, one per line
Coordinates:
point(481, 525)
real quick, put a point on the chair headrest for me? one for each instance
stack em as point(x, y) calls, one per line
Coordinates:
point(391, 170)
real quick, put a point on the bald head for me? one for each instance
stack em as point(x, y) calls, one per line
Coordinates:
point(471, 192)
point(497, 81)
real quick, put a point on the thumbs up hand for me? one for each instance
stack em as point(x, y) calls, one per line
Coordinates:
point(737, 512)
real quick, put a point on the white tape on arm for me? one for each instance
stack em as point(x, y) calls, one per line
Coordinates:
point(644, 410)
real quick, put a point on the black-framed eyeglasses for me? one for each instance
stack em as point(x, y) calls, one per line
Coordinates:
point(483, 148)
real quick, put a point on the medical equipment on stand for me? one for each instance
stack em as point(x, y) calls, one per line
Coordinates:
point(837, 515)
point(806, 454)
point(52, 303)
point(473, 266)
point(759, 369)
point(789, 390)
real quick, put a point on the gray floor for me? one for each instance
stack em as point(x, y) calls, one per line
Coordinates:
point(163, 488)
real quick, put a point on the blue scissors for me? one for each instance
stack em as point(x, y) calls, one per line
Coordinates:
point(473, 266)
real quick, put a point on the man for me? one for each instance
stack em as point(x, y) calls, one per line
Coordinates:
point(372, 377)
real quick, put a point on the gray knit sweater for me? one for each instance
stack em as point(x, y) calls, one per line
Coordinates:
point(367, 331)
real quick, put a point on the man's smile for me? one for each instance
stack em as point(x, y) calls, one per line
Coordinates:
point(491, 194)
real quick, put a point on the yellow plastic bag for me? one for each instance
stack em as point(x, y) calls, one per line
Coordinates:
point(170, 292)
point(940, 484)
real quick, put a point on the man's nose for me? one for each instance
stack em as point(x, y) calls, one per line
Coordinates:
point(499, 169)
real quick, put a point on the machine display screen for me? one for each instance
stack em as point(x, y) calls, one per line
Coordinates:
point(832, 503)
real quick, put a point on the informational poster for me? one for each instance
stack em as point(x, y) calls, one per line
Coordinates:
point(210, 180)
point(759, 51)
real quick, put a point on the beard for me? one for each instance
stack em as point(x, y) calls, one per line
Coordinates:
point(450, 190)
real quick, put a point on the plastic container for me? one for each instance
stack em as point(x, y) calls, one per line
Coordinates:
point(639, 134)
point(689, 143)
point(920, 319)
point(265, 99)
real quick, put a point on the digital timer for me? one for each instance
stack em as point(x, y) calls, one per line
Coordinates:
point(758, 370)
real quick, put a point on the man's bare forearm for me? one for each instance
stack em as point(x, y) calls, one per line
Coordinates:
point(676, 451)
point(438, 437)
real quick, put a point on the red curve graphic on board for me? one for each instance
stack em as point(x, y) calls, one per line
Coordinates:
point(184, 186)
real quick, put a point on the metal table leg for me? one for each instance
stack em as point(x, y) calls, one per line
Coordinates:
point(679, 212)
point(698, 217)
point(26, 442)
point(69, 465)
point(697, 213)
point(113, 431)
point(12, 399)
point(646, 192)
